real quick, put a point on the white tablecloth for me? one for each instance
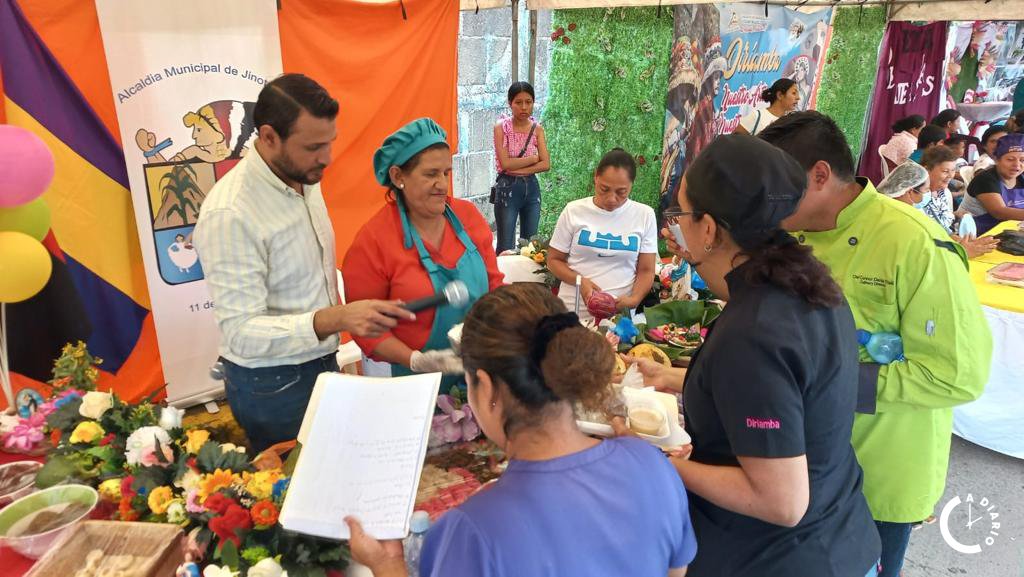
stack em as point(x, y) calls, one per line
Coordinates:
point(996, 419)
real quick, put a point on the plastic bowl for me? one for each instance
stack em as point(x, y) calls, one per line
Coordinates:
point(18, 468)
point(34, 546)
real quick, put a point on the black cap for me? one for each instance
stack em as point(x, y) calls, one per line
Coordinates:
point(747, 185)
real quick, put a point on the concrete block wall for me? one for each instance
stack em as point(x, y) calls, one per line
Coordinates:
point(485, 59)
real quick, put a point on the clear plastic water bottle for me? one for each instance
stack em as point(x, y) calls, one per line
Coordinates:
point(883, 348)
point(413, 544)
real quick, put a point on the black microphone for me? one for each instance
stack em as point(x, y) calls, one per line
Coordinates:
point(454, 293)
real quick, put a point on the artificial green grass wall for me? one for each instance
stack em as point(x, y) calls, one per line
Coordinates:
point(607, 87)
point(850, 68)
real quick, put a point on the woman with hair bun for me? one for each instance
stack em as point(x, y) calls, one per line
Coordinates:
point(904, 140)
point(782, 97)
point(568, 504)
point(769, 398)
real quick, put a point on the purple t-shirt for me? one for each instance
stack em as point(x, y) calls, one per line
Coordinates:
point(618, 508)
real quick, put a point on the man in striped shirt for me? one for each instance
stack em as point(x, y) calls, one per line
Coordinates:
point(267, 249)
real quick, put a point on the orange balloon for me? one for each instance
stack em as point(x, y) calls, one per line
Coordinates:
point(25, 266)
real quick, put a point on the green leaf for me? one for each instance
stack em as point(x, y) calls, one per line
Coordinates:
point(233, 461)
point(208, 456)
point(683, 313)
point(58, 469)
point(293, 459)
point(67, 417)
point(229, 554)
point(329, 554)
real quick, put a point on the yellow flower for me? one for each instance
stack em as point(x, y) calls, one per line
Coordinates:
point(196, 438)
point(110, 490)
point(87, 432)
point(159, 499)
point(538, 257)
point(261, 484)
point(215, 481)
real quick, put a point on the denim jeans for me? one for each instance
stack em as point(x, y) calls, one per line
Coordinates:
point(895, 539)
point(523, 204)
point(269, 402)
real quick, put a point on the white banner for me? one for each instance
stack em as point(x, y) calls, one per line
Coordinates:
point(185, 76)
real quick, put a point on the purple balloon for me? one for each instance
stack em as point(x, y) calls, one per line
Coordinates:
point(26, 166)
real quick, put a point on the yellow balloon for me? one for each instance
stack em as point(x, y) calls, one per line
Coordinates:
point(25, 266)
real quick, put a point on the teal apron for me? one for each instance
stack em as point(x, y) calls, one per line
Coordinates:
point(470, 269)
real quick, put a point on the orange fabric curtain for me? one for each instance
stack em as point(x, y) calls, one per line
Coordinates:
point(385, 72)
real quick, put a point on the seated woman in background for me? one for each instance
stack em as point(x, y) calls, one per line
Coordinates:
point(782, 97)
point(417, 243)
point(607, 239)
point(997, 194)
point(940, 162)
point(568, 504)
point(988, 145)
point(904, 139)
point(769, 398)
point(910, 183)
point(929, 136)
point(948, 120)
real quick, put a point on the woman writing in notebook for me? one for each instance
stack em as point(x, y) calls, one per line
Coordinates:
point(527, 362)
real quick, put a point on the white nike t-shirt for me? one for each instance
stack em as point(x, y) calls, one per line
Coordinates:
point(604, 246)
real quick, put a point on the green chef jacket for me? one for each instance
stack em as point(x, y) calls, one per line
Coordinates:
point(901, 273)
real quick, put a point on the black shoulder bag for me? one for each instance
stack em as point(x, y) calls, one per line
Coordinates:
point(503, 184)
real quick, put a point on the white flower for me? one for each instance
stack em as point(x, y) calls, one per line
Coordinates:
point(143, 439)
point(268, 567)
point(215, 571)
point(527, 250)
point(170, 418)
point(228, 447)
point(94, 404)
point(188, 481)
point(176, 512)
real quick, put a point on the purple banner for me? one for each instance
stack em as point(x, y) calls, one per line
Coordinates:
point(909, 82)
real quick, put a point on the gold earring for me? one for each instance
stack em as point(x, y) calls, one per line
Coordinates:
point(707, 248)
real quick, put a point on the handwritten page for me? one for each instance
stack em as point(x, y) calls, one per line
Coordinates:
point(363, 443)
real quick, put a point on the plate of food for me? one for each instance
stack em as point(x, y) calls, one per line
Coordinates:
point(653, 416)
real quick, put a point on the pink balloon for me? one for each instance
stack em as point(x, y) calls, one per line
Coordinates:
point(26, 166)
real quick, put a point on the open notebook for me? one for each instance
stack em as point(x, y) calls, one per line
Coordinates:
point(363, 442)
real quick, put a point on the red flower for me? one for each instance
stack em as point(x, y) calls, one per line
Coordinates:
point(565, 40)
point(191, 462)
point(55, 437)
point(227, 526)
point(108, 439)
point(555, 36)
point(560, 31)
point(127, 513)
point(264, 514)
point(641, 160)
point(126, 487)
point(219, 503)
point(572, 27)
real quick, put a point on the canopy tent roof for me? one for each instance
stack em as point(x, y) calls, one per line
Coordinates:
point(908, 10)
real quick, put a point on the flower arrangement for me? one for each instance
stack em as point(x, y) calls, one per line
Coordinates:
point(536, 249)
point(75, 369)
point(454, 420)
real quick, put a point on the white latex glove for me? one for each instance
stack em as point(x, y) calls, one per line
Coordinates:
point(445, 361)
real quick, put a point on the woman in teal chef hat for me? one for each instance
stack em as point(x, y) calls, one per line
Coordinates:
point(421, 240)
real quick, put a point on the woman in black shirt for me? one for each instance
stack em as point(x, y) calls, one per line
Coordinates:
point(769, 398)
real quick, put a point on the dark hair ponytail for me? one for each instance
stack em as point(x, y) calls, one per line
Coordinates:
point(500, 337)
point(618, 158)
point(908, 123)
point(782, 261)
point(771, 94)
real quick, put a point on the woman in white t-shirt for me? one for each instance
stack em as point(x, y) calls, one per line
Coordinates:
point(782, 97)
point(610, 241)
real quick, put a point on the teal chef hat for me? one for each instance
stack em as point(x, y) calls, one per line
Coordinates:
point(405, 143)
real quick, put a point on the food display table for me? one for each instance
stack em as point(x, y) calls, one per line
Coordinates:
point(993, 421)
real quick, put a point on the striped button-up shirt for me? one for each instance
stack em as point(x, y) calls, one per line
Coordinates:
point(268, 257)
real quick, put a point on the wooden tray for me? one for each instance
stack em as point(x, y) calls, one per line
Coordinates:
point(156, 548)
